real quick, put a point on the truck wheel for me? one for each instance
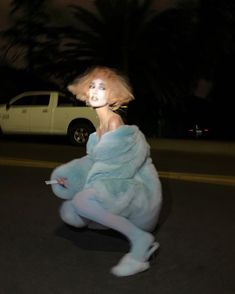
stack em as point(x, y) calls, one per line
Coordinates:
point(79, 133)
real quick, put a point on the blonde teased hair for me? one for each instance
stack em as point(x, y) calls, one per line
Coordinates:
point(118, 89)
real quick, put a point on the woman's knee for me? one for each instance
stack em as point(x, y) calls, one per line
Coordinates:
point(83, 198)
point(69, 215)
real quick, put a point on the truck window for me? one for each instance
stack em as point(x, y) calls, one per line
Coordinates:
point(23, 101)
point(32, 100)
point(65, 101)
point(41, 100)
point(69, 101)
point(79, 103)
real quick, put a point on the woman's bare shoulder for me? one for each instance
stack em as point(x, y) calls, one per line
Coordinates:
point(115, 122)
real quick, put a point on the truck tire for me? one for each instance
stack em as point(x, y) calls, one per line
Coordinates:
point(79, 132)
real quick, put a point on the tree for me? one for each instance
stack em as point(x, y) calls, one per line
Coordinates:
point(130, 36)
point(27, 32)
point(106, 37)
point(216, 52)
point(161, 53)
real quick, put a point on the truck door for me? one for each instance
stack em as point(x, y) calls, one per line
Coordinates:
point(16, 117)
point(40, 114)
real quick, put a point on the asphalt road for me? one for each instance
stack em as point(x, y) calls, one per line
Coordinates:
point(39, 254)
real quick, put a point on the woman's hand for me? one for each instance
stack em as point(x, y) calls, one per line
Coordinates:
point(62, 181)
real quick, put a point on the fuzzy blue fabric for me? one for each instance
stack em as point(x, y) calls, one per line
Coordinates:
point(119, 168)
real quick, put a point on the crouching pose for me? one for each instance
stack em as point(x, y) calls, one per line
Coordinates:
point(115, 185)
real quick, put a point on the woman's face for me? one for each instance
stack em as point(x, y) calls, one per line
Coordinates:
point(97, 93)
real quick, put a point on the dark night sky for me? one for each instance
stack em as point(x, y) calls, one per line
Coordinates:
point(60, 15)
point(58, 7)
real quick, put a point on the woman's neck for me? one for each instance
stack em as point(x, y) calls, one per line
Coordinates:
point(104, 114)
point(109, 120)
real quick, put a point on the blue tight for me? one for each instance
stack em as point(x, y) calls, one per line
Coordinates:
point(84, 208)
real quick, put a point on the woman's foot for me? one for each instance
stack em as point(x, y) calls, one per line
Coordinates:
point(136, 260)
point(140, 245)
point(128, 266)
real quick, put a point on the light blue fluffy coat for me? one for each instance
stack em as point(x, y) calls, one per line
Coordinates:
point(119, 168)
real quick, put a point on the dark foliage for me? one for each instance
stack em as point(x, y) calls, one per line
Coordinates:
point(15, 81)
point(163, 54)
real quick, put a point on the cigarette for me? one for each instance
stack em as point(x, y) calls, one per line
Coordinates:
point(51, 182)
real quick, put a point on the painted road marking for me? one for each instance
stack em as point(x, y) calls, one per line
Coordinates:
point(200, 178)
point(28, 163)
point(180, 176)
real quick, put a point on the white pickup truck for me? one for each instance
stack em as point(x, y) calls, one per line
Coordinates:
point(49, 113)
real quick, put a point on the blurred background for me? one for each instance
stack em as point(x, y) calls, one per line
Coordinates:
point(178, 56)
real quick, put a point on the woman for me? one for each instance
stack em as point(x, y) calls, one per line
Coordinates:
point(115, 185)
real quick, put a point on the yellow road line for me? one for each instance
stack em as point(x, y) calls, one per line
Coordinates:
point(201, 178)
point(190, 177)
point(28, 163)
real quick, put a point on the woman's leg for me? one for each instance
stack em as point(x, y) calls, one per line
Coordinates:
point(87, 207)
point(70, 216)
